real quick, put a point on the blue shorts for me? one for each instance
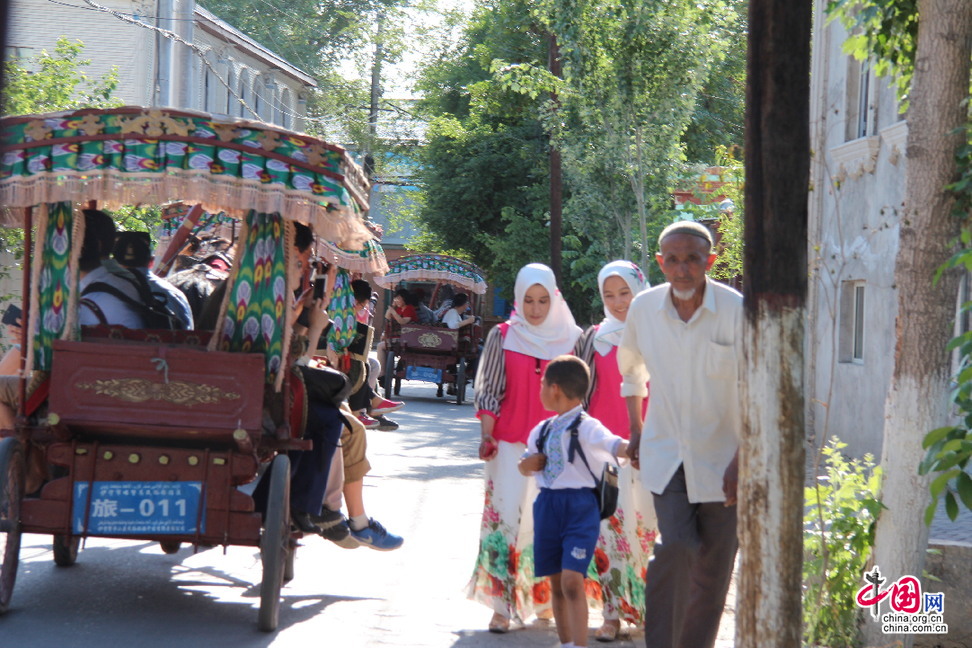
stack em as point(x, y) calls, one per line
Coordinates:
point(566, 524)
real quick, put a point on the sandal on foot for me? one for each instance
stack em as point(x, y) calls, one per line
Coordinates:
point(608, 632)
point(499, 624)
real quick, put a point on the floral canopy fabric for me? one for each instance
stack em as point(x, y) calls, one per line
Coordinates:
point(434, 267)
point(135, 155)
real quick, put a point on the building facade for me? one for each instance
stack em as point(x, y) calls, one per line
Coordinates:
point(858, 138)
point(222, 71)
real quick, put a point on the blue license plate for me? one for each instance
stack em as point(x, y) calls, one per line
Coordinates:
point(427, 374)
point(138, 508)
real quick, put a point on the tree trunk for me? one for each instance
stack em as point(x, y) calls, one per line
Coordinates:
point(376, 62)
point(556, 178)
point(768, 608)
point(638, 187)
point(917, 400)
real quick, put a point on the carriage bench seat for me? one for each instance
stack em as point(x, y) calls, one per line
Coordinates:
point(153, 391)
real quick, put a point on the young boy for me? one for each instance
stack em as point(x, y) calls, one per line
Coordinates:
point(566, 519)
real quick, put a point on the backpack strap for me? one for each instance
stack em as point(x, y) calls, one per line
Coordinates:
point(102, 287)
point(150, 308)
point(542, 437)
point(95, 309)
point(574, 446)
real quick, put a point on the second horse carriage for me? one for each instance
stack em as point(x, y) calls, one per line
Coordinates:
point(159, 434)
point(433, 352)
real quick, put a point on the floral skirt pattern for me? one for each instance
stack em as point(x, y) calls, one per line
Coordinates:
point(617, 573)
point(503, 577)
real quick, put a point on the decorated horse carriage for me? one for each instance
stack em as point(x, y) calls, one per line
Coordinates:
point(433, 352)
point(159, 434)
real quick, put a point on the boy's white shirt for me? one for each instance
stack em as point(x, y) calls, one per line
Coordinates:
point(600, 445)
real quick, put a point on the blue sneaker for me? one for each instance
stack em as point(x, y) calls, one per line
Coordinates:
point(375, 536)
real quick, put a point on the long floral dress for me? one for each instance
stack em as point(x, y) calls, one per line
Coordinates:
point(617, 573)
point(507, 388)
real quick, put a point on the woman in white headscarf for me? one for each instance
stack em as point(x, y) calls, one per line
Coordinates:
point(627, 537)
point(508, 407)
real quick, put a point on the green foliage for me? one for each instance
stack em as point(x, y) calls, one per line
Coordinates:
point(52, 82)
point(314, 35)
point(885, 32)
point(948, 450)
point(138, 218)
point(719, 116)
point(840, 513)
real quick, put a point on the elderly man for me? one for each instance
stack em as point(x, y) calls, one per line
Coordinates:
point(686, 336)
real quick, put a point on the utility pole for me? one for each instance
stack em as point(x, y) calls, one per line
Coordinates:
point(556, 177)
point(376, 80)
point(768, 608)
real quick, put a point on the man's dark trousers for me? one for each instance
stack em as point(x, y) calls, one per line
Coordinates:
point(688, 576)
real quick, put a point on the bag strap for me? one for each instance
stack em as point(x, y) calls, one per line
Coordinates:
point(574, 447)
point(95, 309)
point(150, 304)
point(542, 438)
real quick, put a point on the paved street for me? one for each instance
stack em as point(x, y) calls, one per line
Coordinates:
point(425, 484)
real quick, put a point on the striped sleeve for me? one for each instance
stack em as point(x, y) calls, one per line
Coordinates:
point(584, 349)
point(491, 376)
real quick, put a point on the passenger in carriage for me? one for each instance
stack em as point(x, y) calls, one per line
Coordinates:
point(453, 318)
point(445, 301)
point(327, 429)
point(133, 250)
point(95, 266)
point(425, 314)
point(400, 311)
point(367, 405)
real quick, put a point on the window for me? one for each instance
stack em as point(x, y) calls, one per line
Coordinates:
point(852, 327)
point(860, 116)
point(285, 108)
point(244, 93)
point(15, 52)
point(230, 83)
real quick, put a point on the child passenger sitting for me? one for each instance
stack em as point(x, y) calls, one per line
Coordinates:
point(566, 517)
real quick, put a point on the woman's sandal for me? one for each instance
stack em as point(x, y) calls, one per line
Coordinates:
point(608, 632)
point(499, 624)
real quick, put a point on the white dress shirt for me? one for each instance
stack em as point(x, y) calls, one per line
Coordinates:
point(694, 414)
point(600, 445)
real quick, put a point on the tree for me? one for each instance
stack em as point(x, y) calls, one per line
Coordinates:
point(771, 467)
point(632, 73)
point(49, 83)
point(917, 399)
point(58, 81)
point(925, 44)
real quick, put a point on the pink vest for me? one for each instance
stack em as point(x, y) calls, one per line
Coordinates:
point(521, 409)
point(607, 405)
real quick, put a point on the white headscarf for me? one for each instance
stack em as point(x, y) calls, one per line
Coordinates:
point(610, 329)
point(557, 334)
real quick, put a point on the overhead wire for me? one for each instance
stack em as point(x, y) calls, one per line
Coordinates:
point(274, 103)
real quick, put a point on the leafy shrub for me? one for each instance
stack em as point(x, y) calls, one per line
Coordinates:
point(840, 513)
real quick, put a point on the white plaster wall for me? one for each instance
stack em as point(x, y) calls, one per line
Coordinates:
point(857, 189)
point(37, 24)
point(229, 62)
